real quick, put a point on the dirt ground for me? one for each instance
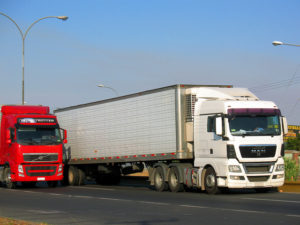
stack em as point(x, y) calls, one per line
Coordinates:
point(8, 221)
point(290, 186)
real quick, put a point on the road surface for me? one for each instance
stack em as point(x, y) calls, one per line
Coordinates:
point(134, 202)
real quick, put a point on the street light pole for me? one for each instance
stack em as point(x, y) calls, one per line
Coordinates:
point(102, 85)
point(23, 43)
point(276, 43)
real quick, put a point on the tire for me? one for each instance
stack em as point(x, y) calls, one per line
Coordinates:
point(210, 182)
point(7, 181)
point(81, 177)
point(73, 176)
point(174, 180)
point(159, 180)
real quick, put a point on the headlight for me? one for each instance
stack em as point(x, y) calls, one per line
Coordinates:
point(20, 169)
point(234, 168)
point(60, 168)
point(280, 167)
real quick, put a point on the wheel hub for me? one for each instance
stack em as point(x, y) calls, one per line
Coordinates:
point(210, 180)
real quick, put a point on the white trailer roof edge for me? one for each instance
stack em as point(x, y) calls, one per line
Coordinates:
point(179, 86)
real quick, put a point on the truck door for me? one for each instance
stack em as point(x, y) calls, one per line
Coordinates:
point(207, 143)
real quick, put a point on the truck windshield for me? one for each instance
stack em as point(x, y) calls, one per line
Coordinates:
point(28, 135)
point(254, 125)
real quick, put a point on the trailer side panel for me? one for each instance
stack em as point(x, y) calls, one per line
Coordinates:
point(123, 129)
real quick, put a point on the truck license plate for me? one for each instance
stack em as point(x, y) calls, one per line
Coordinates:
point(40, 178)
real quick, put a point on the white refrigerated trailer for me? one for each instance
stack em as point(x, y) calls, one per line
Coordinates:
point(201, 136)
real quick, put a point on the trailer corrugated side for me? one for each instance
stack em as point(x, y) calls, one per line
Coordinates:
point(146, 126)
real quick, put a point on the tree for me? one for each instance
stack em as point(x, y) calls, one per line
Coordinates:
point(293, 143)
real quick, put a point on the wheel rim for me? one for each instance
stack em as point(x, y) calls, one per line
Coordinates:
point(158, 180)
point(8, 177)
point(210, 180)
point(174, 179)
point(71, 176)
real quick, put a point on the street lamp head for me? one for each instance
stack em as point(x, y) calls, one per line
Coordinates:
point(100, 85)
point(62, 17)
point(275, 43)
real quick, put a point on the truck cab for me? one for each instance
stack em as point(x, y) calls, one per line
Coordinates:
point(238, 141)
point(30, 146)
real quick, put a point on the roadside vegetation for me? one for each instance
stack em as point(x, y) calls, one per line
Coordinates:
point(293, 143)
point(291, 169)
point(9, 221)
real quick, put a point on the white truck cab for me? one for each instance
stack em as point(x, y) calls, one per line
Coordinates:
point(238, 138)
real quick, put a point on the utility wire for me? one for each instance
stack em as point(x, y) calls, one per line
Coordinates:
point(279, 84)
point(275, 85)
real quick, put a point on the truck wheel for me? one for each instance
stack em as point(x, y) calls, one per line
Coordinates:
point(7, 181)
point(81, 177)
point(159, 180)
point(174, 180)
point(73, 176)
point(210, 182)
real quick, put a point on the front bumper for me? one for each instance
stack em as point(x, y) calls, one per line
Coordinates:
point(38, 172)
point(272, 181)
point(254, 175)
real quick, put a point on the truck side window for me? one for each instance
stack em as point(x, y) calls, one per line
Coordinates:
point(211, 127)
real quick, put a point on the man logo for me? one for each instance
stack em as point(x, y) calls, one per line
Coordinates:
point(258, 151)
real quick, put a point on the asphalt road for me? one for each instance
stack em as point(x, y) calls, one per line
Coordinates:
point(134, 202)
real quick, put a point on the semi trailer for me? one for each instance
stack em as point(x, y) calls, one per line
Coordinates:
point(211, 137)
point(31, 146)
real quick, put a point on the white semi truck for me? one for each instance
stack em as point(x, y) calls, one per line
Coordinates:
point(210, 137)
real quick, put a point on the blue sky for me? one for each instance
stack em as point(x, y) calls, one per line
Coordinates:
point(136, 45)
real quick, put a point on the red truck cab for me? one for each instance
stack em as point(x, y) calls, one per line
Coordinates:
point(31, 146)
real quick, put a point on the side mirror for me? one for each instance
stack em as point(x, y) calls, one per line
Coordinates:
point(285, 125)
point(8, 136)
point(219, 126)
point(65, 137)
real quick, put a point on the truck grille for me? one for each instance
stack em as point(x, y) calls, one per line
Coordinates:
point(258, 167)
point(258, 178)
point(41, 171)
point(258, 151)
point(47, 157)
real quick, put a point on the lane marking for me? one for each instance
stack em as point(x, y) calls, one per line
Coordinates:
point(44, 211)
point(91, 188)
point(153, 203)
point(233, 210)
point(293, 215)
point(55, 194)
point(243, 210)
point(194, 206)
point(272, 200)
point(82, 196)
